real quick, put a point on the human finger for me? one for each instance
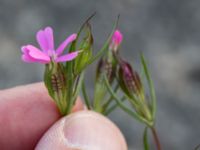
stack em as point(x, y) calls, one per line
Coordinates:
point(26, 112)
point(83, 130)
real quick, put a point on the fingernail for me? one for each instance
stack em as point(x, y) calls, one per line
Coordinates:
point(85, 130)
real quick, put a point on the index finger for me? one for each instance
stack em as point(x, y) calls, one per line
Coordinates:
point(26, 112)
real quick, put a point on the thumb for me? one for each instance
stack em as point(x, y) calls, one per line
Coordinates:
point(84, 130)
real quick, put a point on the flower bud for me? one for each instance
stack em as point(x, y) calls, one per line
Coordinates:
point(86, 48)
point(107, 66)
point(116, 40)
point(129, 79)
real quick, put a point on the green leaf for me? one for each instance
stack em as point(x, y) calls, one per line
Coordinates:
point(150, 84)
point(145, 139)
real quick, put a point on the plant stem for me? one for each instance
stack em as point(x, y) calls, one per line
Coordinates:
point(156, 139)
point(113, 107)
point(110, 99)
point(86, 98)
point(145, 139)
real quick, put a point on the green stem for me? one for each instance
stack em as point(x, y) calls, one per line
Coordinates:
point(79, 84)
point(124, 107)
point(110, 98)
point(145, 139)
point(113, 107)
point(156, 139)
point(86, 98)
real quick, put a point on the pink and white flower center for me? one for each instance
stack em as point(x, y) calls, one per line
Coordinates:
point(52, 54)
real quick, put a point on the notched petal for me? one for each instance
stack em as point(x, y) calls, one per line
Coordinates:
point(49, 37)
point(42, 41)
point(37, 54)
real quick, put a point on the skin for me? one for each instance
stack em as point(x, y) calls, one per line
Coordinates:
point(28, 117)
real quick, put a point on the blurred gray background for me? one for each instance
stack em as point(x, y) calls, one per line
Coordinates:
point(167, 31)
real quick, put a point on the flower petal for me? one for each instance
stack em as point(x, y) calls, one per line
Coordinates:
point(67, 57)
point(29, 59)
point(24, 49)
point(42, 41)
point(37, 54)
point(49, 37)
point(62, 46)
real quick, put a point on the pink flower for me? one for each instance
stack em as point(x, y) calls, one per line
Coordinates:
point(116, 40)
point(47, 52)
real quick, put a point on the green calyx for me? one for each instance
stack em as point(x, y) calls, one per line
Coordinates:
point(85, 47)
point(106, 66)
point(55, 81)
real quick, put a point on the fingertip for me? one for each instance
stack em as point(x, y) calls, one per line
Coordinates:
point(83, 130)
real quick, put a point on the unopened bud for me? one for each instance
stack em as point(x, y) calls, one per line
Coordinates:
point(86, 46)
point(104, 67)
point(107, 66)
point(129, 79)
point(116, 40)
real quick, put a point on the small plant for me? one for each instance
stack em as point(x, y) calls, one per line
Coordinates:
point(115, 77)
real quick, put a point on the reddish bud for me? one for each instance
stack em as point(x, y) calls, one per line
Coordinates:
point(129, 79)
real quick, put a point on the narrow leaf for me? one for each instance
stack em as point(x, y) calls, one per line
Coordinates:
point(86, 98)
point(150, 84)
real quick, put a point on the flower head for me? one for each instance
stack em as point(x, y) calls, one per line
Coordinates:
point(116, 40)
point(47, 52)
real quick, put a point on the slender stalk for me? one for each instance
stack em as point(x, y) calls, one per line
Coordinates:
point(145, 139)
point(156, 139)
point(86, 98)
point(113, 107)
point(110, 98)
